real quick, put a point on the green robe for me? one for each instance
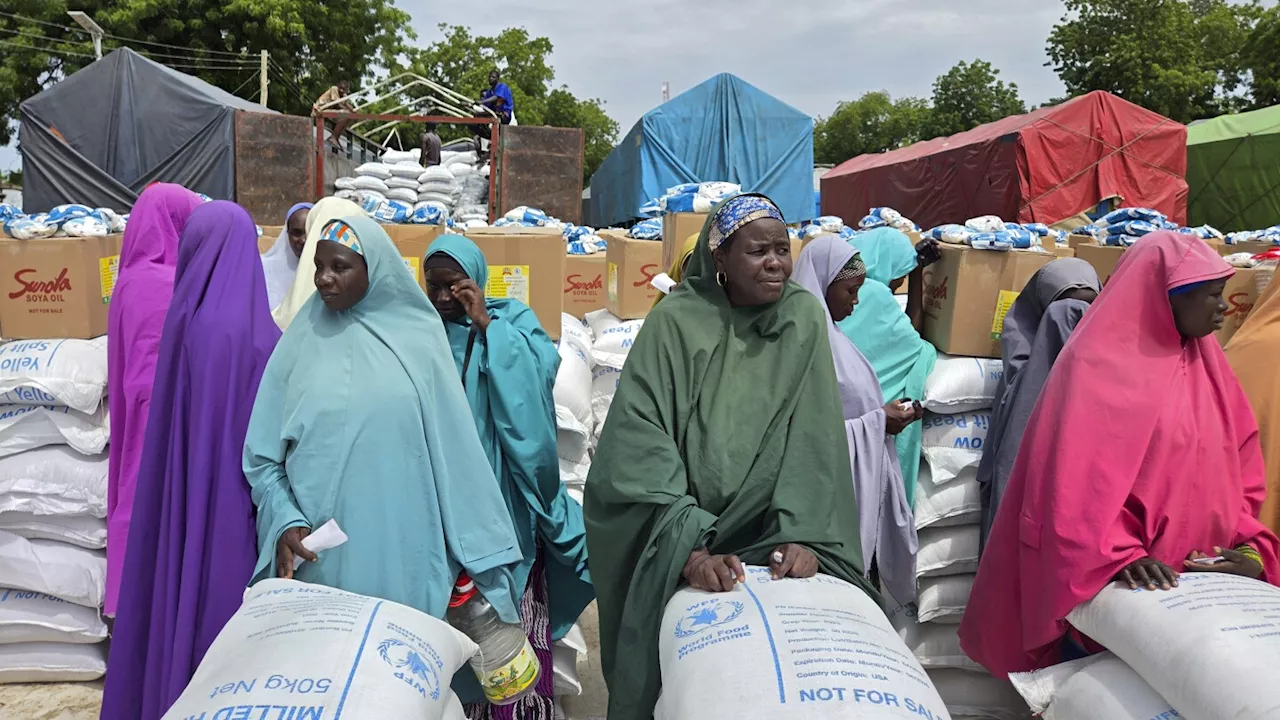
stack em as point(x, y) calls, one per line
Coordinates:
point(727, 430)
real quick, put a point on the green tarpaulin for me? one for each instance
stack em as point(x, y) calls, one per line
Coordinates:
point(1233, 171)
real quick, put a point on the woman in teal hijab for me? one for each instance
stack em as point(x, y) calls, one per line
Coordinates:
point(508, 366)
point(886, 335)
point(357, 420)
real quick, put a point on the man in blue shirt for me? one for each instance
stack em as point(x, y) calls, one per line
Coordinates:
point(498, 98)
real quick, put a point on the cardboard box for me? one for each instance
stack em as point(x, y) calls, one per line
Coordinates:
point(1062, 252)
point(967, 294)
point(1103, 258)
point(676, 228)
point(584, 289)
point(412, 241)
point(527, 264)
point(58, 287)
point(1253, 247)
point(1241, 294)
point(632, 264)
point(269, 235)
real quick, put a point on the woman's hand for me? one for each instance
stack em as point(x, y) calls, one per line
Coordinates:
point(896, 419)
point(291, 544)
point(472, 298)
point(927, 253)
point(1234, 562)
point(792, 560)
point(713, 573)
point(1149, 573)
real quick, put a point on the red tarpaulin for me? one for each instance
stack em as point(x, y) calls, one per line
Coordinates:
point(1044, 166)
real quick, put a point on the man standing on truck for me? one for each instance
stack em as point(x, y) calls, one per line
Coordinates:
point(430, 142)
point(337, 92)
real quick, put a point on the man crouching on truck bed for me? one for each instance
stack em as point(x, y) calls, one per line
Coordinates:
point(337, 92)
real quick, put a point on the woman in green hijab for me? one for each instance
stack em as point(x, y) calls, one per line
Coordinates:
point(890, 338)
point(724, 445)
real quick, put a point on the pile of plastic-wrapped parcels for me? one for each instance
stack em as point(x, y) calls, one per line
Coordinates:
point(62, 221)
point(1125, 226)
point(991, 233)
point(579, 239)
point(947, 506)
point(53, 504)
point(683, 198)
point(398, 189)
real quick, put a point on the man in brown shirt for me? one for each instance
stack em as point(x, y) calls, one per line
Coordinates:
point(430, 146)
point(337, 92)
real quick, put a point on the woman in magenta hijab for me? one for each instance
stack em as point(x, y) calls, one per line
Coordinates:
point(135, 319)
point(193, 542)
point(1141, 455)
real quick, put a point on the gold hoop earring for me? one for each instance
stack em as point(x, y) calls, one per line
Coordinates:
point(721, 279)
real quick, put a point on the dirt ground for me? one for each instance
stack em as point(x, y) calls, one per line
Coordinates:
point(83, 701)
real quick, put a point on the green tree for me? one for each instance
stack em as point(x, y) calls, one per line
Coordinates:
point(1180, 58)
point(1260, 58)
point(462, 61)
point(969, 95)
point(311, 45)
point(873, 123)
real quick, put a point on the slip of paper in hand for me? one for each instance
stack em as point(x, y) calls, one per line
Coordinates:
point(325, 537)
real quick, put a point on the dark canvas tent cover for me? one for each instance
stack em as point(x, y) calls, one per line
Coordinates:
point(1233, 169)
point(106, 132)
point(1045, 166)
point(724, 129)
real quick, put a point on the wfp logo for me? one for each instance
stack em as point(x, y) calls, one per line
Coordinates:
point(708, 615)
point(410, 667)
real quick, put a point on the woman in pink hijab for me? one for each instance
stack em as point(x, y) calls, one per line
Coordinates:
point(135, 321)
point(1141, 455)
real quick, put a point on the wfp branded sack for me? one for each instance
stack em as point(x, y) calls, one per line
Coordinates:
point(985, 224)
point(26, 228)
point(1100, 686)
point(364, 182)
point(440, 198)
point(942, 600)
point(613, 337)
point(604, 385)
point(90, 226)
point(573, 380)
point(439, 174)
point(1189, 643)
point(947, 551)
point(962, 384)
point(404, 195)
point(28, 617)
point(392, 157)
point(64, 571)
point(934, 645)
point(393, 211)
point(26, 427)
point(816, 648)
point(369, 658)
point(54, 372)
point(79, 530)
point(345, 183)
point(978, 695)
point(952, 234)
point(409, 170)
point(51, 662)
point(54, 480)
point(957, 501)
point(952, 444)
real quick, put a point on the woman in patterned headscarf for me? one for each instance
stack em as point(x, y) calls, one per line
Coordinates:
point(724, 446)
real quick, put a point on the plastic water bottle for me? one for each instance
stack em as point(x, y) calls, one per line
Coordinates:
point(1266, 268)
point(506, 665)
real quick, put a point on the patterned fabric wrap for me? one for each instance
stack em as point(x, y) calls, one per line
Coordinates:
point(853, 269)
point(737, 212)
point(342, 233)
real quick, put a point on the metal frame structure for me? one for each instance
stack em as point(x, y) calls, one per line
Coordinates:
point(438, 96)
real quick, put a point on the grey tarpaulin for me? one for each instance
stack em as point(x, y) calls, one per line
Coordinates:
point(106, 132)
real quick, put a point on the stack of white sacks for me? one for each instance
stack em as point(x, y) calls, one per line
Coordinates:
point(53, 505)
point(958, 398)
point(398, 189)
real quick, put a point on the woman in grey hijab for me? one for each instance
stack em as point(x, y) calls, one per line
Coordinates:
point(1035, 331)
point(831, 269)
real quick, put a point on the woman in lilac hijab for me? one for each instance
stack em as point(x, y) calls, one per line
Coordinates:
point(135, 318)
point(193, 542)
point(830, 268)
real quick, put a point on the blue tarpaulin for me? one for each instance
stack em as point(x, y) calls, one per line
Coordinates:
point(724, 129)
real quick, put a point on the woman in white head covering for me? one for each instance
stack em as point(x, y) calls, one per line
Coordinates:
point(304, 278)
point(280, 263)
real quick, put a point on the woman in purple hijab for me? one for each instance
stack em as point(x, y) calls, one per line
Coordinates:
point(832, 269)
point(193, 541)
point(134, 321)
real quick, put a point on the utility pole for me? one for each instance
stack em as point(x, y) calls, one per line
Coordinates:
point(263, 82)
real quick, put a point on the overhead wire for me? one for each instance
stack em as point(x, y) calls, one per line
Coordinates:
point(47, 51)
point(122, 38)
